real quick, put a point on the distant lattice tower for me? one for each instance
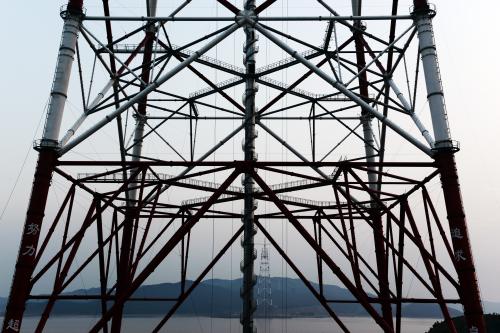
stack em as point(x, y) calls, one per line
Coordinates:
point(264, 289)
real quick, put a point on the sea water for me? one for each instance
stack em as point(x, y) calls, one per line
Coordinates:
point(76, 324)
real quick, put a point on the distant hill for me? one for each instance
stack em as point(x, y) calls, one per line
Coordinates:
point(492, 324)
point(488, 307)
point(220, 298)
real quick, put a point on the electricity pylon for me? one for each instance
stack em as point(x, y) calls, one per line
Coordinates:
point(359, 159)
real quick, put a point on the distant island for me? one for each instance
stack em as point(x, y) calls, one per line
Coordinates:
point(220, 298)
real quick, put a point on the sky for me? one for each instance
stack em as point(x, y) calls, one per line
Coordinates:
point(467, 49)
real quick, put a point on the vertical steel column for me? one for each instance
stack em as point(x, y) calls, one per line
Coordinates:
point(249, 254)
point(47, 159)
point(25, 265)
point(72, 19)
point(422, 15)
point(124, 277)
point(444, 156)
point(464, 262)
point(366, 120)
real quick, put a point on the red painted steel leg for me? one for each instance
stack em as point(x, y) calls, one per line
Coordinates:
point(382, 268)
point(31, 233)
point(26, 260)
point(123, 279)
point(464, 262)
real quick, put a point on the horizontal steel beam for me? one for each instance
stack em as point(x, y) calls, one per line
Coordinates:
point(236, 18)
point(255, 164)
point(106, 297)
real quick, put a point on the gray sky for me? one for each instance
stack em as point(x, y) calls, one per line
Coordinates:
point(467, 50)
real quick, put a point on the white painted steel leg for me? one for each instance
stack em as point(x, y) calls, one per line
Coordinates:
point(369, 148)
point(435, 94)
point(59, 92)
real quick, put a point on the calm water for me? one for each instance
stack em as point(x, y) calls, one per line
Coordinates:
point(217, 325)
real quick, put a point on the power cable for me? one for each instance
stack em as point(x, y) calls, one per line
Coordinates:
point(214, 180)
point(232, 210)
point(30, 148)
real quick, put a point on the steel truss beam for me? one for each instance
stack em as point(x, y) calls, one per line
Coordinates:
point(334, 229)
point(140, 207)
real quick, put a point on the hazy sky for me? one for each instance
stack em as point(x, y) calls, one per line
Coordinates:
point(466, 34)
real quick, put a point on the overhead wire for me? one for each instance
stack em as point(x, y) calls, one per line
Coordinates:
point(284, 225)
point(285, 74)
point(214, 180)
point(232, 210)
point(23, 164)
point(267, 324)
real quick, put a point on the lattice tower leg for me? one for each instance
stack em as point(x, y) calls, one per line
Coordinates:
point(444, 156)
point(249, 254)
point(43, 175)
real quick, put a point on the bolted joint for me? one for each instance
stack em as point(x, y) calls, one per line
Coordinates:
point(446, 146)
point(246, 18)
point(373, 207)
point(420, 4)
point(74, 8)
point(46, 144)
point(366, 116)
point(150, 27)
point(421, 8)
point(140, 117)
point(358, 26)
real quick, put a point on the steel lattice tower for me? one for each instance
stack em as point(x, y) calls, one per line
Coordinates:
point(353, 187)
point(264, 288)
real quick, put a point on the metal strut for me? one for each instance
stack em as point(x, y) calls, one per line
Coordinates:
point(366, 121)
point(249, 229)
point(132, 214)
point(142, 181)
point(47, 158)
point(444, 156)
